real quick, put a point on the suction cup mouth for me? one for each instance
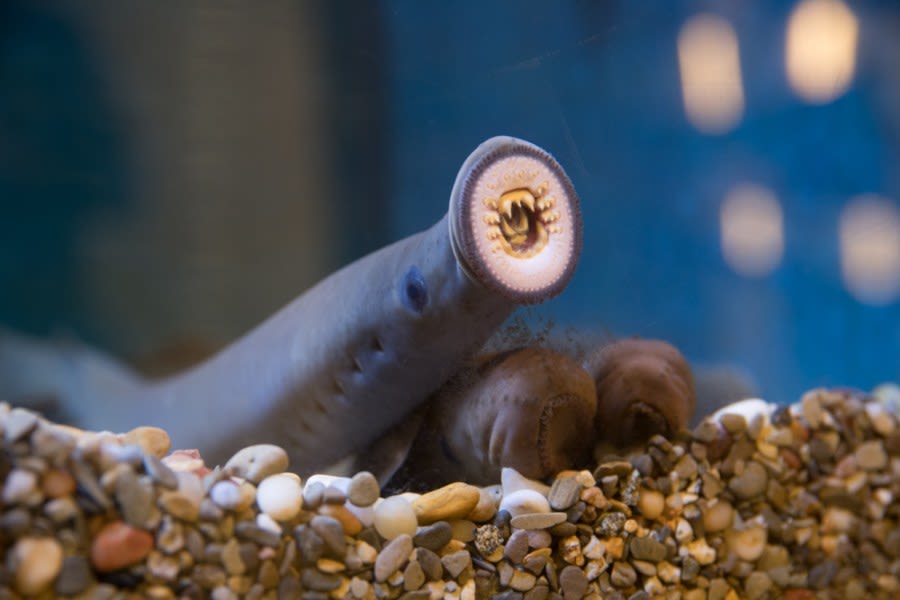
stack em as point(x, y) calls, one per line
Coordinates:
point(515, 220)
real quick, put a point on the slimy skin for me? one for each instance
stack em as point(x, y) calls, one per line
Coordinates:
point(531, 409)
point(355, 354)
point(644, 387)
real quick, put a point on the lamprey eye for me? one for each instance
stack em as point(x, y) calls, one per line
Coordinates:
point(516, 220)
point(414, 291)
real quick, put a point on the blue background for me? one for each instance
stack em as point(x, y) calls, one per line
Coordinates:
point(412, 87)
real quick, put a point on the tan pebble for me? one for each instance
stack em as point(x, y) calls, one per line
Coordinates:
point(118, 545)
point(718, 516)
point(328, 565)
point(395, 516)
point(522, 581)
point(667, 572)
point(57, 483)
point(585, 478)
point(37, 561)
point(651, 503)
point(486, 508)
point(152, 440)
point(453, 501)
point(838, 520)
point(463, 530)
point(871, 455)
point(702, 552)
point(683, 531)
point(748, 543)
point(594, 496)
point(179, 505)
point(366, 553)
point(352, 526)
point(570, 550)
point(255, 463)
point(615, 548)
point(524, 501)
point(540, 520)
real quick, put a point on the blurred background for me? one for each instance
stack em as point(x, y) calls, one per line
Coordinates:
point(171, 174)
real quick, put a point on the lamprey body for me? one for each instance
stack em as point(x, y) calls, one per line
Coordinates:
point(358, 352)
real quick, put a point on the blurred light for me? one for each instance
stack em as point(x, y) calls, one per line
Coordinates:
point(752, 230)
point(710, 73)
point(821, 49)
point(870, 249)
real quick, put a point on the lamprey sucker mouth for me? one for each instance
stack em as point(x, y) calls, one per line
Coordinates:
point(517, 225)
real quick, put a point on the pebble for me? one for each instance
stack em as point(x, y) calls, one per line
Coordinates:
point(37, 561)
point(623, 575)
point(453, 501)
point(513, 481)
point(151, 440)
point(564, 492)
point(524, 501)
point(573, 582)
point(119, 545)
point(749, 543)
point(456, 562)
point(332, 533)
point(651, 503)
point(488, 501)
point(751, 483)
point(647, 548)
point(395, 516)
point(516, 546)
point(537, 520)
point(718, 516)
point(871, 455)
point(160, 473)
point(135, 498)
point(20, 484)
point(363, 489)
point(434, 536)
point(255, 463)
point(280, 496)
point(393, 556)
point(57, 483)
point(74, 577)
point(19, 423)
point(230, 495)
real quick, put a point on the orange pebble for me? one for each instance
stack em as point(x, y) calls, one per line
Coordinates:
point(58, 483)
point(352, 526)
point(119, 545)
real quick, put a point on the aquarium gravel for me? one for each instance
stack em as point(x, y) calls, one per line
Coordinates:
point(756, 502)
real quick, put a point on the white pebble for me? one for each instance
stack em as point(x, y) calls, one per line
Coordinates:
point(190, 485)
point(19, 485)
point(748, 409)
point(264, 521)
point(226, 494)
point(523, 502)
point(395, 516)
point(255, 463)
point(512, 481)
point(38, 561)
point(280, 496)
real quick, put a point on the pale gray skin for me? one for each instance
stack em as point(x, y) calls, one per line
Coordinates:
point(329, 373)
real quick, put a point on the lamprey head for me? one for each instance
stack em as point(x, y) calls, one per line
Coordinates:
point(515, 220)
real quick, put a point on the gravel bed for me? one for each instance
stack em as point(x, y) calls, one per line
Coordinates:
point(756, 502)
